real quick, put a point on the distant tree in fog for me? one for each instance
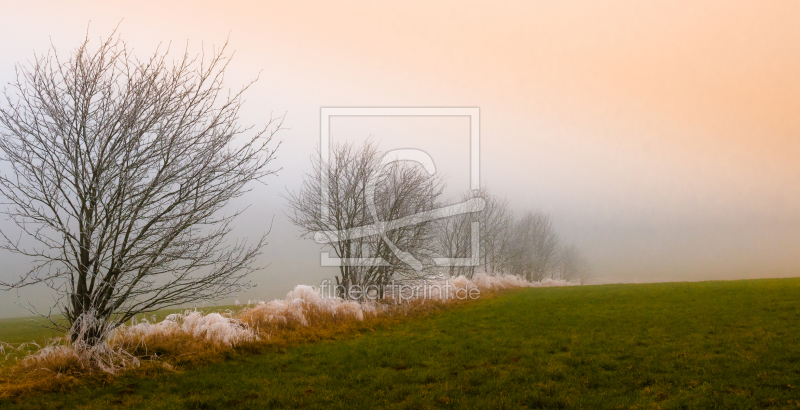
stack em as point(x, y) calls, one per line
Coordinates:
point(454, 240)
point(571, 266)
point(454, 235)
point(497, 221)
point(533, 247)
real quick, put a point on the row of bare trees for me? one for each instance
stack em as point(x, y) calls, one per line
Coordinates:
point(337, 206)
point(119, 172)
point(526, 246)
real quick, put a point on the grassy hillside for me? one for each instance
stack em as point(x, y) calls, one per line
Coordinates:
point(724, 345)
point(23, 330)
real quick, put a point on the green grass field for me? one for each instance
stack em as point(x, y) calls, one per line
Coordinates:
point(20, 330)
point(725, 345)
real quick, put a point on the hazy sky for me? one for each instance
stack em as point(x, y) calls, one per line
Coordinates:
point(661, 136)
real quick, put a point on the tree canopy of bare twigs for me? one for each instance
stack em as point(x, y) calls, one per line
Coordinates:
point(335, 198)
point(495, 221)
point(572, 265)
point(534, 246)
point(117, 172)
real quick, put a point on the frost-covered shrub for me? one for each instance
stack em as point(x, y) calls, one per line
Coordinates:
point(505, 281)
point(212, 327)
point(74, 354)
point(304, 305)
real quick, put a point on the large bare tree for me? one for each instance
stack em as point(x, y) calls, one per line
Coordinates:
point(345, 199)
point(118, 170)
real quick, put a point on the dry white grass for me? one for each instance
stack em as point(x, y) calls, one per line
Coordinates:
point(216, 328)
point(302, 307)
point(73, 353)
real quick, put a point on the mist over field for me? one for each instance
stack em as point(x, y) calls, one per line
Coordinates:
point(660, 137)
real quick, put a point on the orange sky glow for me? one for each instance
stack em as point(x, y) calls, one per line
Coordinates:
point(661, 135)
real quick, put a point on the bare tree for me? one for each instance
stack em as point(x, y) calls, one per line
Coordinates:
point(338, 206)
point(497, 220)
point(405, 191)
point(572, 266)
point(119, 171)
point(454, 240)
point(454, 234)
point(533, 250)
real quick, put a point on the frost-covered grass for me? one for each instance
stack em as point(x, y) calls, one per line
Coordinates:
point(191, 338)
point(728, 345)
